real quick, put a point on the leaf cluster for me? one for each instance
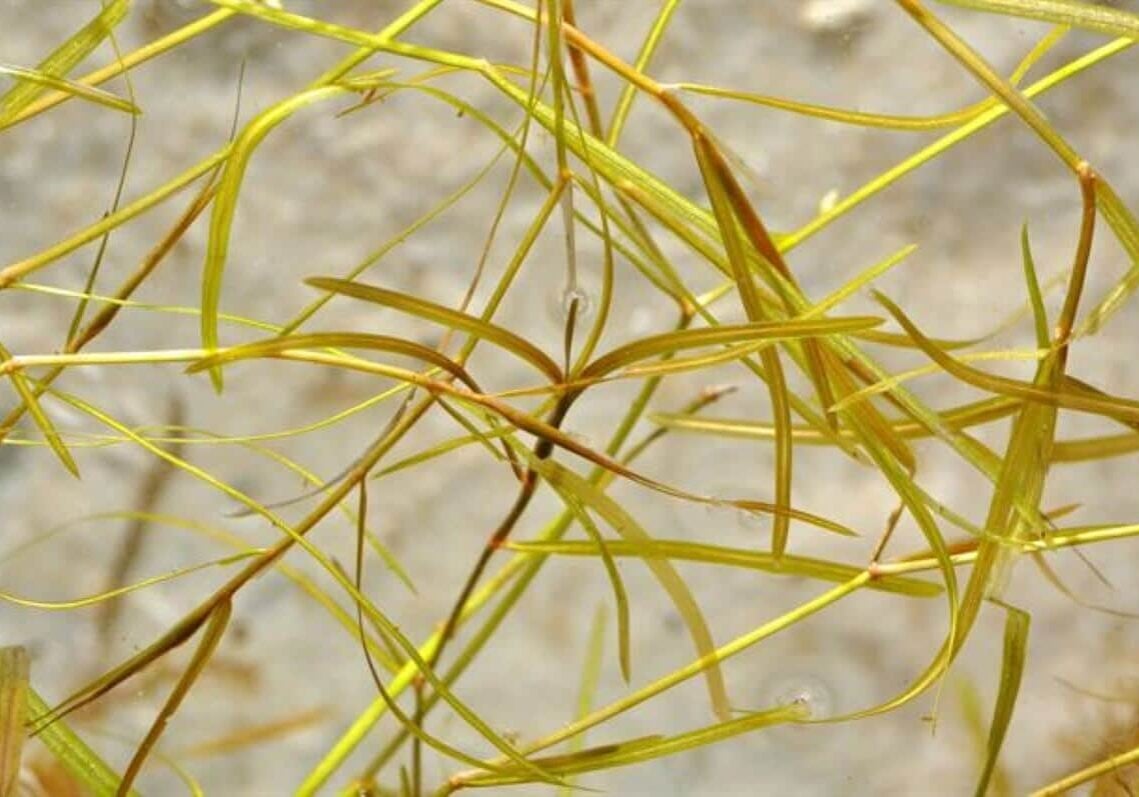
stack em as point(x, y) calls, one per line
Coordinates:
point(820, 368)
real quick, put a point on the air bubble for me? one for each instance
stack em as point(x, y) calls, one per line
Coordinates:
point(830, 17)
point(808, 691)
point(584, 303)
point(724, 512)
point(828, 201)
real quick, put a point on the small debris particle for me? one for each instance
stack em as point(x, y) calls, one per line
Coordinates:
point(833, 17)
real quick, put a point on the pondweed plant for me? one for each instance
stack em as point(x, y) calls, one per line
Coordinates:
point(449, 378)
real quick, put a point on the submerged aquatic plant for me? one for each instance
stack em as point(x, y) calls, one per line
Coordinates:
point(460, 376)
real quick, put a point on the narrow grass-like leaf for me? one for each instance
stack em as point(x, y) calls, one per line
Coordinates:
point(681, 340)
point(1126, 228)
point(117, 67)
point(625, 525)
point(1053, 578)
point(1100, 18)
point(844, 115)
point(884, 121)
point(330, 340)
point(1039, 315)
point(32, 404)
point(955, 137)
point(16, 271)
point(973, 714)
point(976, 413)
point(667, 366)
point(858, 283)
point(64, 58)
point(97, 96)
point(445, 316)
point(590, 674)
point(14, 665)
point(620, 595)
point(716, 179)
point(644, 57)
point(789, 565)
point(118, 592)
point(211, 637)
point(890, 384)
point(436, 451)
point(562, 440)
point(484, 438)
point(638, 751)
point(1012, 668)
point(1064, 398)
point(1078, 385)
point(225, 204)
point(1099, 447)
point(1025, 465)
point(80, 761)
point(899, 475)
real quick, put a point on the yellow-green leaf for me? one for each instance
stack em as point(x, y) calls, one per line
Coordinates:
point(1097, 17)
point(625, 525)
point(788, 565)
point(328, 340)
point(13, 710)
point(64, 58)
point(80, 761)
point(97, 96)
point(28, 396)
point(452, 319)
point(1012, 668)
point(681, 340)
point(1063, 397)
point(225, 204)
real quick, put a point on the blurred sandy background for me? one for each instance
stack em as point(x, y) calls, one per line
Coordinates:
point(323, 192)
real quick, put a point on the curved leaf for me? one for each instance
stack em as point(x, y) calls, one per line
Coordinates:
point(625, 525)
point(1063, 397)
point(453, 319)
point(327, 340)
point(65, 58)
point(669, 342)
point(225, 204)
